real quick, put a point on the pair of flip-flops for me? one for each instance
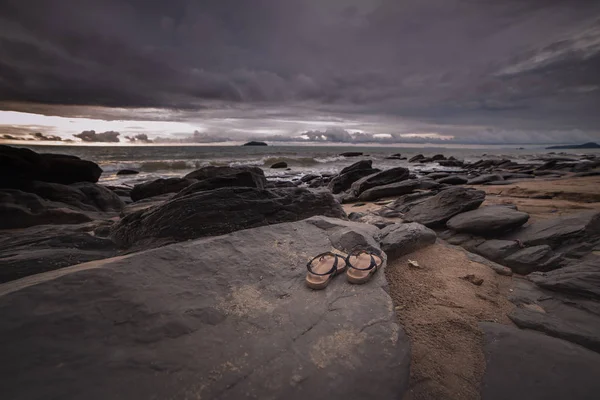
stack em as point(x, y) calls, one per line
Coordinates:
point(360, 266)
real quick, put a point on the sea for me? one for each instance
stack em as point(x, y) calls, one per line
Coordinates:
point(160, 161)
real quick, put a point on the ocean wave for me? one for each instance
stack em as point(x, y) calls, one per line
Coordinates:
point(267, 161)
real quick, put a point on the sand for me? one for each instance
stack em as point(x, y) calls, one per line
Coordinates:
point(440, 313)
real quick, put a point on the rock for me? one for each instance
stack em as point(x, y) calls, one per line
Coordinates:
point(436, 210)
point(255, 143)
point(381, 178)
point(438, 157)
point(162, 323)
point(316, 183)
point(453, 180)
point(44, 248)
point(276, 184)
point(127, 172)
point(215, 172)
point(405, 202)
point(488, 221)
point(392, 189)
point(351, 154)
point(555, 232)
point(221, 211)
point(528, 365)
point(348, 176)
point(240, 179)
point(21, 210)
point(581, 278)
point(309, 177)
point(438, 175)
point(451, 163)
point(281, 164)
point(416, 158)
point(159, 186)
point(413, 264)
point(482, 179)
point(535, 258)
point(497, 250)
point(400, 239)
point(363, 164)
point(356, 216)
point(475, 280)
point(19, 165)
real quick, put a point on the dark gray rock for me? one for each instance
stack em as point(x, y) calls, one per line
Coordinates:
point(416, 158)
point(405, 202)
point(535, 258)
point(273, 184)
point(240, 179)
point(37, 249)
point(453, 180)
point(392, 189)
point(482, 179)
point(436, 210)
point(488, 221)
point(497, 250)
point(349, 175)
point(84, 196)
point(438, 175)
point(19, 165)
point(351, 154)
point(21, 210)
point(556, 232)
point(392, 175)
point(192, 320)
point(221, 211)
point(127, 172)
point(159, 186)
point(309, 177)
point(363, 164)
point(214, 172)
point(532, 366)
point(581, 278)
point(451, 163)
point(400, 239)
point(281, 164)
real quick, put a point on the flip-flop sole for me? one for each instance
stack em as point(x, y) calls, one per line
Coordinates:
point(314, 282)
point(359, 277)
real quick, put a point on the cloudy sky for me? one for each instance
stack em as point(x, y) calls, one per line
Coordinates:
point(451, 71)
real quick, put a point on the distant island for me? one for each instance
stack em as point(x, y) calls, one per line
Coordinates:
point(589, 145)
point(253, 143)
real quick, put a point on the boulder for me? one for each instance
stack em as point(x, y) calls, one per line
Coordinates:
point(438, 157)
point(400, 239)
point(160, 186)
point(392, 189)
point(226, 317)
point(535, 258)
point(581, 278)
point(351, 154)
point(21, 210)
point(344, 180)
point(416, 158)
point(215, 172)
point(453, 180)
point(451, 163)
point(482, 179)
point(381, 178)
point(38, 249)
point(363, 164)
point(556, 232)
point(529, 365)
point(127, 172)
point(488, 221)
point(436, 210)
point(221, 211)
point(240, 179)
point(438, 175)
point(497, 250)
point(309, 177)
point(281, 164)
point(19, 165)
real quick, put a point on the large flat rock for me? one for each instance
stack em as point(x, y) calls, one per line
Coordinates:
point(487, 221)
point(526, 365)
point(225, 317)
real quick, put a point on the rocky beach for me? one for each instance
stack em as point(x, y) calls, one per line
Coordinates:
point(192, 286)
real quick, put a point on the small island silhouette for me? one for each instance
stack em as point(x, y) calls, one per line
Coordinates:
point(589, 145)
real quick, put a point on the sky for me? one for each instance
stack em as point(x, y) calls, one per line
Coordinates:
point(348, 71)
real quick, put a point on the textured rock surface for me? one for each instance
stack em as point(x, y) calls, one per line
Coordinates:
point(190, 320)
point(534, 258)
point(436, 210)
point(386, 177)
point(400, 239)
point(525, 365)
point(159, 186)
point(393, 189)
point(349, 175)
point(480, 180)
point(487, 221)
point(581, 278)
point(239, 179)
point(221, 211)
point(453, 180)
point(84, 196)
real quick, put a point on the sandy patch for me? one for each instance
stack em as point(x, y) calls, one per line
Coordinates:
point(440, 312)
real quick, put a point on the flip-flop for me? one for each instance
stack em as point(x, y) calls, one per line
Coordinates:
point(323, 268)
point(362, 265)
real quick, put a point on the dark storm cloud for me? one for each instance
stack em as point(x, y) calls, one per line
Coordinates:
point(139, 138)
point(104, 137)
point(509, 65)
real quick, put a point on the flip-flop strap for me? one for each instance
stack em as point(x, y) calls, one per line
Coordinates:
point(331, 271)
point(372, 265)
